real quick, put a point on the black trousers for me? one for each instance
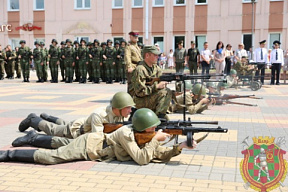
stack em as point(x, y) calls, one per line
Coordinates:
point(260, 71)
point(275, 67)
point(227, 66)
point(205, 67)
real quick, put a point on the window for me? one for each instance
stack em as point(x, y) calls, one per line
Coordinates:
point(160, 42)
point(177, 39)
point(273, 37)
point(201, 2)
point(137, 3)
point(38, 4)
point(158, 3)
point(200, 40)
point(249, 1)
point(79, 39)
point(82, 4)
point(13, 5)
point(117, 4)
point(179, 2)
point(140, 39)
point(14, 43)
point(247, 41)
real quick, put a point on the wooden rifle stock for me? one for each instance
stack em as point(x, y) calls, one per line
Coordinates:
point(110, 127)
point(237, 103)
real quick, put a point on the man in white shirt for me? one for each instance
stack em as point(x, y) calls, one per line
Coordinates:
point(277, 60)
point(241, 52)
point(205, 57)
point(261, 58)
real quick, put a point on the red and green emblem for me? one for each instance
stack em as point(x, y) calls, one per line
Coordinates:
point(263, 167)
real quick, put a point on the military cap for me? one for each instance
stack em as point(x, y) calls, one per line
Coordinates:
point(262, 42)
point(62, 43)
point(193, 42)
point(22, 41)
point(96, 41)
point(109, 41)
point(103, 43)
point(36, 43)
point(54, 40)
point(68, 40)
point(277, 42)
point(42, 43)
point(151, 49)
point(75, 42)
point(117, 42)
point(135, 34)
point(83, 40)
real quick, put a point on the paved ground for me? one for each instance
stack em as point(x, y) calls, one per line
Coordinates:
point(214, 166)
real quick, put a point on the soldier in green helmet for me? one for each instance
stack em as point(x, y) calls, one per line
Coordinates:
point(119, 109)
point(24, 55)
point(45, 59)
point(221, 87)
point(76, 67)
point(62, 61)
point(17, 65)
point(38, 61)
point(117, 62)
point(82, 56)
point(211, 88)
point(119, 145)
point(103, 62)
point(121, 61)
point(95, 55)
point(10, 61)
point(68, 55)
point(232, 79)
point(110, 54)
point(89, 66)
point(53, 60)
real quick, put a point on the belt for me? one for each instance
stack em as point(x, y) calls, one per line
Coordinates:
point(135, 62)
point(261, 63)
point(276, 63)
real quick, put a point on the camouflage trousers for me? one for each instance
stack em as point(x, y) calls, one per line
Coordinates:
point(62, 68)
point(83, 68)
point(2, 69)
point(44, 70)
point(109, 68)
point(25, 68)
point(18, 69)
point(69, 68)
point(72, 150)
point(54, 68)
point(157, 102)
point(77, 70)
point(39, 69)
point(96, 68)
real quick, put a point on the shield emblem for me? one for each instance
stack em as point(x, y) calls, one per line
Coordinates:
point(263, 169)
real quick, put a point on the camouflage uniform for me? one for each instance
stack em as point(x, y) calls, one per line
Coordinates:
point(17, 65)
point(69, 60)
point(76, 67)
point(10, 55)
point(2, 69)
point(39, 63)
point(121, 145)
point(62, 62)
point(147, 96)
point(25, 53)
point(53, 59)
point(110, 53)
point(96, 58)
point(45, 57)
point(132, 57)
point(103, 62)
point(122, 65)
point(82, 55)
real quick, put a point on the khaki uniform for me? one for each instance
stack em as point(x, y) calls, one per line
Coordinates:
point(93, 123)
point(132, 57)
point(147, 96)
point(231, 81)
point(121, 146)
point(189, 103)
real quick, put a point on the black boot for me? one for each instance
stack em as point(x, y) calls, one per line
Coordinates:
point(97, 80)
point(63, 79)
point(24, 80)
point(84, 80)
point(39, 81)
point(32, 120)
point(34, 139)
point(17, 155)
point(27, 80)
point(49, 118)
point(124, 81)
point(67, 80)
point(81, 80)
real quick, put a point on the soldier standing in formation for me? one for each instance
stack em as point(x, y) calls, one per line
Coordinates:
point(103, 61)
point(132, 57)
point(45, 64)
point(117, 62)
point(2, 59)
point(89, 65)
point(53, 60)
point(95, 55)
point(121, 57)
point(10, 61)
point(17, 64)
point(156, 96)
point(180, 58)
point(38, 62)
point(76, 67)
point(109, 54)
point(62, 61)
point(68, 55)
point(24, 55)
point(83, 62)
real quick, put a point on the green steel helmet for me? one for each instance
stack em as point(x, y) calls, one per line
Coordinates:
point(121, 100)
point(103, 43)
point(68, 40)
point(42, 43)
point(123, 40)
point(83, 40)
point(188, 85)
point(199, 89)
point(22, 41)
point(109, 41)
point(222, 84)
point(62, 43)
point(96, 41)
point(211, 84)
point(117, 42)
point(233, 72)
point(144, 118)
point(75, 42)
point(54, 40)
point(36, 43)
